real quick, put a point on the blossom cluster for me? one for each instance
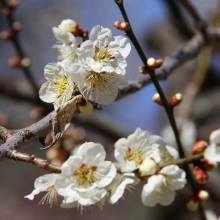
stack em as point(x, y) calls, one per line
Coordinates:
point(94, 68)
point(87, 179)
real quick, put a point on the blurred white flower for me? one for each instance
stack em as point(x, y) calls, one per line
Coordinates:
point(212, 152)
point(59, 88)
point(210, 215)
point(161, 188)
point(85, 175)
point(102, 53)
point(131, 152)
point(46, 183)
point(101, 87)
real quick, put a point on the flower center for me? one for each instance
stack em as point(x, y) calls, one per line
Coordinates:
point(61, 85)
point(103, 55)
point(134, 155)
point(85, 174)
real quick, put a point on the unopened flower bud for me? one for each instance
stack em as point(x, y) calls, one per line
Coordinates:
point(175, 100)
point(151, 63)
point(142, 70)
point(16, 26)
point(157, 99)
point(71, 26)
point(13, 4)
point(201, 176)
point(14, 62)
point(85, 108)
point(124, 26)
point(192, 203)
point(6, 11)
point(6, 35)
point(25, 62)
point(147, 167)
point(36, 113)
point(203, 195)
point(199, 147)
point(209, 165)
point(159, 63)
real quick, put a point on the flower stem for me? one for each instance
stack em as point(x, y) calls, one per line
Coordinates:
point(168, 109)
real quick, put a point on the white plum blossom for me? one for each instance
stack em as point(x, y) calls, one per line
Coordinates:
point(46, 183)
point(101, 87)
point(85, 175)
point(212, 152)
point(131, 152)
point(210, 215)
point(59, 88)
point(61, 32)
point(161, 188)
point(102, 53)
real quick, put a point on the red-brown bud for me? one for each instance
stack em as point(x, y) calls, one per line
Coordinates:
point(13, 4)
point(14, 62)
point(6, 35)
point(159, 63)
point(201, 176)
point(175, 100)
point(6, 11)
point(157, 99)
point(124, 26)
point(209, 165)
point(36, 113)
point(199, 147)
point(16, 26)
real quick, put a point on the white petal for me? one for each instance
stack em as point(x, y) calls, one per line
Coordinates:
point(148, 197)
point(105, 174)
point(53, 72)
point(45, 181)
point(46, 93)
point(211, 153)
point(167, 197)
point(173, 152)
point(122, 45)
point(215, 137)
point(93, 150)
point(34, 192)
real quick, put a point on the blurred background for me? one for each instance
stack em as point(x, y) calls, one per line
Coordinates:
point(162, 27)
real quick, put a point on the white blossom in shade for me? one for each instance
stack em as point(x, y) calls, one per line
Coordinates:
point(59, 88)
point(85, 175)
point(67, 52)
point(131, 152)
point(160, 189)
point(101, 87)
point(61, 32)
point(210, 215)
point(212, 152)
point(46, 183)
point(103, 53)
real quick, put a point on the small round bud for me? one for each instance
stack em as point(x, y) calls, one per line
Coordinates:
point(85, 109)
point(36, 113)
point(142, 70)
point(199, 147)
point(117, 24)
point(13, 4)
point(176, 100)
point(209, 165)
point(3, 119)
point(25, 62)
point(147, 167)
point(6, 35)
point(16, 26)
point(201, 176)
point(157, 99)
point(151, 63)
point(203, 195)
point(159, 63)
point(14, 62)
point(192, 203)
point(6, 11)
